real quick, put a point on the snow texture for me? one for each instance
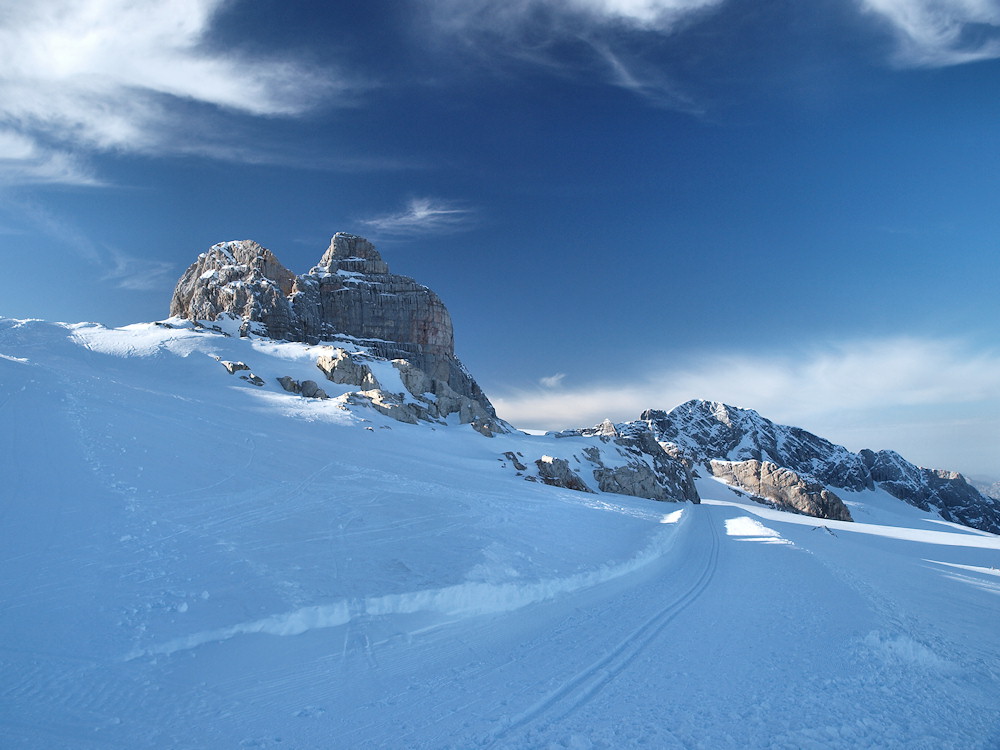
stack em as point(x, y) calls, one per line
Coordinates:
point(193, 561)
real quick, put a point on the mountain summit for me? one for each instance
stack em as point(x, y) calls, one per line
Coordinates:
point(352, 299)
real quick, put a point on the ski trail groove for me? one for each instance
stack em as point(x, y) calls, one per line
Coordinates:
point(460, 600)
point(579, 689)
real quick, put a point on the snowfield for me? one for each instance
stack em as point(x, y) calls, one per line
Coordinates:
point(192, 561)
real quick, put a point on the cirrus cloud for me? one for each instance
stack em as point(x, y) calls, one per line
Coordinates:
point(84, 76)
point(424, 216)
point(934, 33)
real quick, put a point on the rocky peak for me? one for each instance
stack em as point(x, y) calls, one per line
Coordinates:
point(353, 254)
point(350, 296)
point(717, 435)
point(706, 430)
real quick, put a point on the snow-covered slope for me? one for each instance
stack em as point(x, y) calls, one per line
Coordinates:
point(190, 561)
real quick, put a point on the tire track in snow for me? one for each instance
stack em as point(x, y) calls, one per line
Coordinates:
point(579, 689)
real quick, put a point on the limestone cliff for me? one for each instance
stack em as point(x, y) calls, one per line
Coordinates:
point(783, 487)
point(350, 296)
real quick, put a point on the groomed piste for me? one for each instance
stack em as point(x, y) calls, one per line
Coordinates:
point(191, 560)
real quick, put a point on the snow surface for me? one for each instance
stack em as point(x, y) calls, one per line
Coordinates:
point(190, 561)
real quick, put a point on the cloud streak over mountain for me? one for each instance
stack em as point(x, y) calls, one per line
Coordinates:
point(423, 216)
point(917, 389)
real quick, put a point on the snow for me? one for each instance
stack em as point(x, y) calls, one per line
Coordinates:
point(188, 560)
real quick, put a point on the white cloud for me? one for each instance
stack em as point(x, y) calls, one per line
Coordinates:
point(552, 381)
point(107, 75)
point(934, 33)
point(643, 13)
point(540, 32)
point(933, 400)
point(424, 216)
point(23, 160)
point(515, 15)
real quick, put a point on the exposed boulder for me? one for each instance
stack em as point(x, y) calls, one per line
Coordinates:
point(340, 367)
point(783, 487)
point(242, 367)
point(290, 384)
point(310, 389)
point(557, 472)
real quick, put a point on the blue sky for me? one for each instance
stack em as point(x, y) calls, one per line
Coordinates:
point(787, 206)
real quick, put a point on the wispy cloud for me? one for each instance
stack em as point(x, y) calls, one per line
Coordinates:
point(935, 33)
point(552, 381)
point(82, 76)
point(424, 216)
point(24, 160)
point(109, 265)
point(588, 39)
point(137, 274)
point(900, 393)
point(644, 80)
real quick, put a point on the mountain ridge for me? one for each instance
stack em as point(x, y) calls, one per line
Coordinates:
point(351, 297)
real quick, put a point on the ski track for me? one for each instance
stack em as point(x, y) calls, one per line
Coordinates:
point(461, 600)
point(583, 686)
point(163, 540)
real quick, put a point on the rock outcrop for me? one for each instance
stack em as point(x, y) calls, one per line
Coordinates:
point(650, 471)
point(557, 473)
point(350, 297)
point(623, 459)
point(782, 487)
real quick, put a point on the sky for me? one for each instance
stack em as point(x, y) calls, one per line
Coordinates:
point(791, 207)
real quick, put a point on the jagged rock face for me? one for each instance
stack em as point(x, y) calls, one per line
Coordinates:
point(411, 396)
point(947, 492)
point(669, 479)
point(783, 487)
point(349, 295)
point(706, 430)
point(352, 292)
point(623, 459)
point(241, 279)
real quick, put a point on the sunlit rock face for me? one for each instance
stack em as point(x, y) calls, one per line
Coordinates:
point(738, 445)
point(349, 295)
point(783, 487)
